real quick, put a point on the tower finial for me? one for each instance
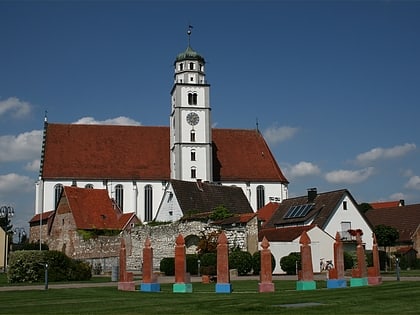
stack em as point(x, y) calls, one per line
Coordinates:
point(190, 27)
point(257, 124)
point(46, 116)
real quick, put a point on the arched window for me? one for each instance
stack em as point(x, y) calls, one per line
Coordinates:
point(192, 155)
point(192, 136)
point(192, 98)
point(260, 196)
point(191, 65)
point(148, 203)
point(193, 172)
point(119, 196)
point(58, 190)
point(181, 66)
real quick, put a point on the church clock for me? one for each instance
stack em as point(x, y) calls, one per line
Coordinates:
point(193, 119)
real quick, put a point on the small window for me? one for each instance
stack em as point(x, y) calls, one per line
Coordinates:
point(191, 65)
point(192, 136)
point(181, 66)
point(201, 67)
point(344, 205)
point(58, 189)
point(193, 173)
point(191, 79)
point(119, 196)
point(193, 155)
point(89, 186)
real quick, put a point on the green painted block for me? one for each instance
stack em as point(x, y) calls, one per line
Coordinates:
point(358, 282)
point(182, 288)
point(305, 285)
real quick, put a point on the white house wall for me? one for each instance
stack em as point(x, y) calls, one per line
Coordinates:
point(353, 216)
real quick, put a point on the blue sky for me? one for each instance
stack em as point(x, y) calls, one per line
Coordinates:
point(334, 85)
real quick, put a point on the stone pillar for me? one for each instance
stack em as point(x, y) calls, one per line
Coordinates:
point(182, 283)
point(223, 285)
point(149, 283)
point(374, 273)
point(359, 274)
point(126, 282)
point(306, 281)
point(336, 275)
point(266, 274)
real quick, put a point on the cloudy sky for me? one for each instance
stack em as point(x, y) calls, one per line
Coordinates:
point(333, 85)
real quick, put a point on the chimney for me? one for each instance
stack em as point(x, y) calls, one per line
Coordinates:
point(312, 193)
point(402, 203)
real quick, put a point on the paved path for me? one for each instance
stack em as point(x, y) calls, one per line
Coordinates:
point(163, 279)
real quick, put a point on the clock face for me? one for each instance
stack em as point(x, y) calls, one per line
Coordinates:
point(193, 119)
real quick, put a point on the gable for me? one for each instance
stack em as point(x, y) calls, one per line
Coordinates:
point(74, 151)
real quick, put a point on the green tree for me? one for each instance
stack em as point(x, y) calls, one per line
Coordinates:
point(363, 207)
point(386, 236)
point(290, 262)
point(220, 213)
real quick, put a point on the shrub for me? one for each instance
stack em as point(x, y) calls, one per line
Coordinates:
point(256, 263)
point(29, 266)
point(208, 263)
point(288, 263)
point(167, 266)
point(192, 264)
point(242, 261)
point(348, 260)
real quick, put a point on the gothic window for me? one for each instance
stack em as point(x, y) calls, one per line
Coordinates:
point(148, 203)
point(192, 136)
point(191, 65)
point(89, 186)
point(119, 196)
point(260, 196)
point(58, 189)
point(193, 172)
point(192, 155)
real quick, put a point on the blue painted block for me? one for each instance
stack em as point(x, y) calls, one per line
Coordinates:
point(150, 287)
point(305, 285)
point(336, 283)
point(182, 288)
point(358, 282)
point(223, 288)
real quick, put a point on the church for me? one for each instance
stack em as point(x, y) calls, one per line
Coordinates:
point(136, 164)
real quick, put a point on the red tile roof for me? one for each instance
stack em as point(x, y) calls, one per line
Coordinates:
point(93, 209)
point(405, 219)
point(265, 213)
point(75, 151)
point(385, 204)
point(286, 234)
point(45, 216)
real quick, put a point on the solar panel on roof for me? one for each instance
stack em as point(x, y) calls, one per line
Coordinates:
point(298, 211)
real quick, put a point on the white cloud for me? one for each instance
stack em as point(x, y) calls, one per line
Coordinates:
point(15, 184)
point(349, 177)
point(413, 183)
point(398, 196)
point(122, 120)
point(15, 106)
point(385, 153)
point(276, 134)
point(303, 169)
point(33, 166)
point(25, 146)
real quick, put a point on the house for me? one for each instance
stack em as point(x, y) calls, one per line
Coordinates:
point(328, 212)
point(135, 163)
point(83, 219)
point(387, 204)
point(405, 219)
point(286, 240)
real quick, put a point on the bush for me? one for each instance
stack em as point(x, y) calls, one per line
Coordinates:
point(192, 264)
point(29, 266)
point(348, 260)
point(242, 261)
point(256, 263)
point(167, 266)
point(288, 263)
point(208, 263)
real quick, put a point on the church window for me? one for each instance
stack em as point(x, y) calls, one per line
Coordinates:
point(58, 189)
point(119, 196)
point(191, 65)
point(192, 98)
point(193, 172)
point(148, 203)
point(181, 66)
point(260, 196)
point(192, 155)
point(192, 136)
point(191, 79)
point(89, 186)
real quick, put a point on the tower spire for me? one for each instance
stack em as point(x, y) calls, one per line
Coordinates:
point(190, 27)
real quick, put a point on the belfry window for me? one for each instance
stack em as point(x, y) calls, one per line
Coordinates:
point(148, 203)
point(260, 196)
point(119, 196)
point(192, 98)
point(181, 66)
point(192, 155)
point(58, 189)
point(191, 65)
point(192, 136)
point(193, 172)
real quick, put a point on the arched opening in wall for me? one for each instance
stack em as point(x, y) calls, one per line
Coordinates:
point(191, 243)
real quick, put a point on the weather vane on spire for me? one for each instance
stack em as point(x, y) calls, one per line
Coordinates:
point(190, 27)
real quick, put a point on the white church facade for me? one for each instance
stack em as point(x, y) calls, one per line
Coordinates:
point(135, 164)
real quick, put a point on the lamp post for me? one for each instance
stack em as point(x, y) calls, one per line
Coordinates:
point(6, 212)
point(20, 231)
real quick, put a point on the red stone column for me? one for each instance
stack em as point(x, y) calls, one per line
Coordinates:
point(147, 261)
point(306, 257)
point(222, 259)
point(338, 271)
point(126, 282)
point(359, 274)
point(266, 277)
point(180, 260)
point(374, 273)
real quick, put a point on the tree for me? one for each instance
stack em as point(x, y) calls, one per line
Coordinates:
point(363, 207)
point(386, 236)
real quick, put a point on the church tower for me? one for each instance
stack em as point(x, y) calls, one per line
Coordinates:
point(190, 121)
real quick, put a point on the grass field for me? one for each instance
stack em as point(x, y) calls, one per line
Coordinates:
point(391, 297)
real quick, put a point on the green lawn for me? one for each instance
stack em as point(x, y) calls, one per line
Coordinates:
point(391, 297)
